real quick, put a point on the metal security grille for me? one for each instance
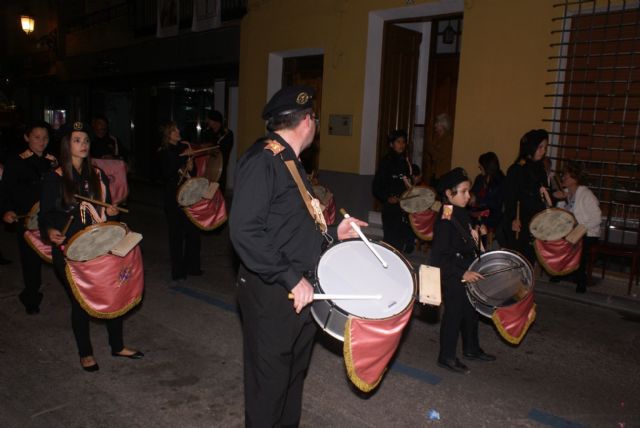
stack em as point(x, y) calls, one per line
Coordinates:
point(594, 94)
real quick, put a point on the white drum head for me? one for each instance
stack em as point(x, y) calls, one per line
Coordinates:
point(192, 190)
point(552, 224)
point(351, 268)
point(417, 199)
point(94, 241)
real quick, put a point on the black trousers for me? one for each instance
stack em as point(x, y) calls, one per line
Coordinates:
point(459, 317)
point(395, 226)
point(80, 318)
point(184, 243)
point(31, 265)
point(277, 349)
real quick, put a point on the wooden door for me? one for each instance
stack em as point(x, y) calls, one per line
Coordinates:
point(441, 99)
point(400, 55)
point(307, 70)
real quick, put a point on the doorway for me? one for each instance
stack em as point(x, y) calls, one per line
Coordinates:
point(307, 71)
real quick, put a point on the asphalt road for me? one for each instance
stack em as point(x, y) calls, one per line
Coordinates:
point(578, 366)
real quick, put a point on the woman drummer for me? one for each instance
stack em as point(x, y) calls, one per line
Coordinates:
point(61, 216)
point(455, 246)
point(525, 193)
point(184, 236)
point(392, 179)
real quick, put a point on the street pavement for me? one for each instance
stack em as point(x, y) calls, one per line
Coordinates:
point(579, 365)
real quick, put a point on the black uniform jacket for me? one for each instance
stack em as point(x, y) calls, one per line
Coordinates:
point(453, 248)
point(54, 213)
point(522, 184)
point(388, 180)
point(170, 163)
point(271, 229)
point(22, 181)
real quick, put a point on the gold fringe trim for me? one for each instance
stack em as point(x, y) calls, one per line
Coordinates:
point(348, 362)
point(90, 310)
point(42, 255)
point(206, 229)
point(549, 269)
point(515, 340)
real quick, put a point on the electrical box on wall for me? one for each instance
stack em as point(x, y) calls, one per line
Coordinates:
point(340, 124)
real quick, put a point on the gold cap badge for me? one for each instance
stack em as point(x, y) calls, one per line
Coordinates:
point(302, 98)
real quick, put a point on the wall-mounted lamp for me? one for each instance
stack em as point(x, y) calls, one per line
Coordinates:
point(449, 34)
point(28, 23)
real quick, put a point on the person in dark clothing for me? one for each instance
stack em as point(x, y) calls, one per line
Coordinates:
point(76, 175)
point(525, 193)
point(486, 194)
point(219, 135)
point(455, 246)
point(279, 244)
point(21, 188)
point(392, 179)
point(103, 144)
point(184, 236)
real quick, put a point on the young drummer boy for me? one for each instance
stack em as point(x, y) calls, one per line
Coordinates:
point(455, 246)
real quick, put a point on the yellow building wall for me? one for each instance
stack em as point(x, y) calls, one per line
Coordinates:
point(501, 86)
point(339, 28)
point(502, 77)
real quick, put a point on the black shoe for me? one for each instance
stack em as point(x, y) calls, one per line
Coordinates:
point(554, 279)
point(32, 310)
point(4, 261)
point(455, 366)
point(92, 368)
point(135, 356)
point(480, 355)
point(581, 288)
point(178, 278)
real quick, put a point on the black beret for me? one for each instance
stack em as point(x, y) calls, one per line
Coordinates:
point(451, 179)
point(288, 100)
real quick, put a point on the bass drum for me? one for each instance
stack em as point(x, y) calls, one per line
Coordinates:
point(509, 279)
point(349, 267)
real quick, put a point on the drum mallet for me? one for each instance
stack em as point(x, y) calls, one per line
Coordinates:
point(65, 229)
point(364, 238)
point(102, 204)
point(343, 296)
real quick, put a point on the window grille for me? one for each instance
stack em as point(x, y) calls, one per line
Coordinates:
point(594, 94)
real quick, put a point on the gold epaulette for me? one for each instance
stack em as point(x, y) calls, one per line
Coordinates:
point(51, 157)
point(58, 171)
point(26, 154)
point(522, 162)
point(447, 212)
point(274, 146)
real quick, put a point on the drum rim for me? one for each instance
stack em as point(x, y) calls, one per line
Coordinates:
point(435, 196)
point(469, 288)
point(575, 221)
point(88, 229)
point(337, 308)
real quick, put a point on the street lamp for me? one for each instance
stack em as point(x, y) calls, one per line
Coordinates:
point(28, 23)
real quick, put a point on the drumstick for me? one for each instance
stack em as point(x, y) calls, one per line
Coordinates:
point(518, 218)
point(102, 204)
point(409, 197)
point(199, 151)
point(343, 296)
point(65, 229)
point(364, 238)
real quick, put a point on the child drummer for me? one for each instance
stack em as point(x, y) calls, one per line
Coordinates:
point(455, 246)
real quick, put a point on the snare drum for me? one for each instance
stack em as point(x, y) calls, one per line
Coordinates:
point(552, 224)
point(191, 191)
point(511, 285)
point(349, 267)
point(417, 199)
point(99, 239)
point(31, 220)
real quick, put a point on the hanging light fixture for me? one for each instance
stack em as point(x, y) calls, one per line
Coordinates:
point(28, 23)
